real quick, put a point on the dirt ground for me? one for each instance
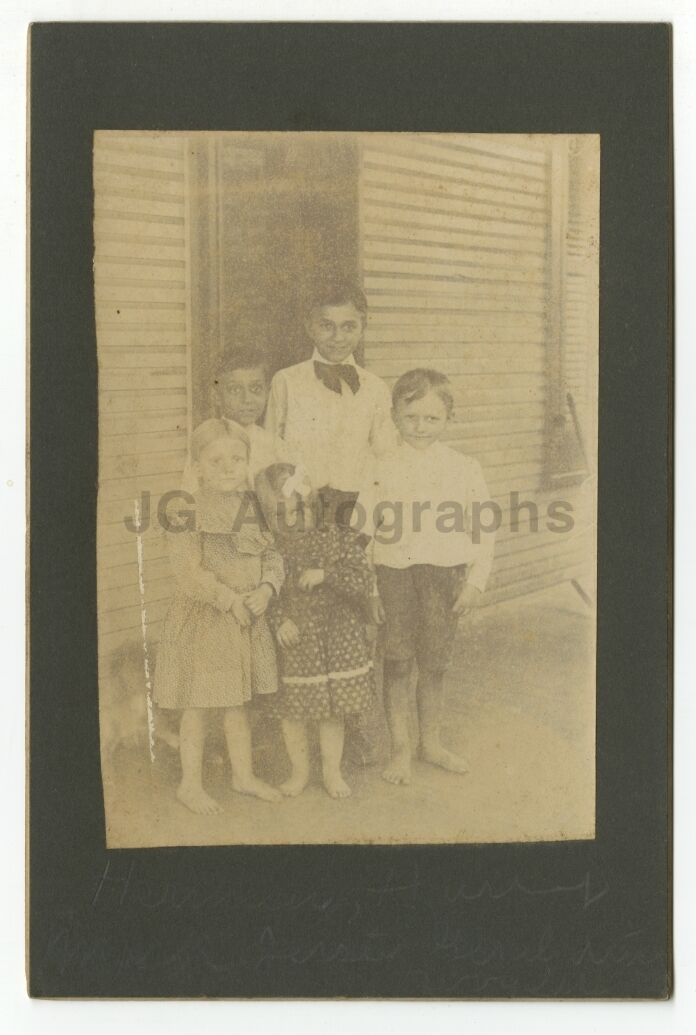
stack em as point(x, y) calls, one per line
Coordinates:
point(520, 707)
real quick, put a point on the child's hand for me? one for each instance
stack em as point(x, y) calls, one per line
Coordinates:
point(377, 611)
point(288, 634)
point(310, 578)
point(469, 597)
point(241, 612)
point(257, 601)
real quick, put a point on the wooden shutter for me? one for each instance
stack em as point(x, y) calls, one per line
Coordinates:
point(457, 266)
point(141, 292)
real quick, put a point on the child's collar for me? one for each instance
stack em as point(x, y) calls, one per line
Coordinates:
point(412, 449)
point(318, 358)
point(233, 513)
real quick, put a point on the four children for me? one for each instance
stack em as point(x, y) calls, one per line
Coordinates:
point(333, 436)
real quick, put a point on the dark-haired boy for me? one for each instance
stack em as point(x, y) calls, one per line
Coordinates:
point(240, 391)
point(332, 415)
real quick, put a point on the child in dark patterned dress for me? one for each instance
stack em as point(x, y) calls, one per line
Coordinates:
point(325, 661)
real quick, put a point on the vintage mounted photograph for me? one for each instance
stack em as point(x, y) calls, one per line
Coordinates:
point(346, 537)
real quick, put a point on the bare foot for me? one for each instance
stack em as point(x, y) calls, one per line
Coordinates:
point(294, 785)
point(399, 769)
point(436, 754)
point(257, 789)
point(336, 786)
point(195, 799)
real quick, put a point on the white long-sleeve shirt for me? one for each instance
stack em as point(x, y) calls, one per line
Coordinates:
point(333, 436)
point(419, 507)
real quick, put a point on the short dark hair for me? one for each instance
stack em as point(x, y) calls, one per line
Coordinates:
point(337, 292)
point(241, 357)
point(414, 384)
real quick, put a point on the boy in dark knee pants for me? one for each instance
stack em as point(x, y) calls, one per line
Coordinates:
point(431, 561)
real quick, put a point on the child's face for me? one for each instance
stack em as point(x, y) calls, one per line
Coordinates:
point(222, 465)
point(243, 394)
point(421, 421)
point(336, 331)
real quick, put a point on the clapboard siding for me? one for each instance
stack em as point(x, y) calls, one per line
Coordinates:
point(456, 262)
point(141, 295)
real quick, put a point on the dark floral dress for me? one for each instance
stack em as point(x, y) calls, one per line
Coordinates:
point(329, 673)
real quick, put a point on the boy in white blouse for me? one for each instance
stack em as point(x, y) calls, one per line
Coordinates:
point(331, 414)
point(431, 557)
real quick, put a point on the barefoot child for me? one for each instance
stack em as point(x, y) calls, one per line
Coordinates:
point(332, 414)
point(326, 670)
point(431, 560)
point(240, 390)
point(217, 650)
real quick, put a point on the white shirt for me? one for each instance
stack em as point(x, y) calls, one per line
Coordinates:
point(264, 450)
point(418, 508)
point(331, 435)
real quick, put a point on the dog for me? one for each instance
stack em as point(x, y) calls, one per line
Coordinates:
point(123, 711)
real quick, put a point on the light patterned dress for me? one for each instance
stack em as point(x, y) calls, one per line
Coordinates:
point(206, 658)
point(329, 672)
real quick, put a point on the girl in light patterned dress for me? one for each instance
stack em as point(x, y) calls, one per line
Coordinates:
point(217, 650)
point(325, 660)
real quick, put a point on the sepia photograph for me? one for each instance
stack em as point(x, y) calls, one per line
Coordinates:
point(347, 501)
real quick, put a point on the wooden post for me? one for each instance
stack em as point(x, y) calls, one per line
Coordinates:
point(555, 394)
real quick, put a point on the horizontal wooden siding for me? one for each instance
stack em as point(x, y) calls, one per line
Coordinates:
point(141, 291)
point(456, 265)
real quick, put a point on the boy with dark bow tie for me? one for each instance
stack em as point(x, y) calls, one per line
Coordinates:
point(332, 414)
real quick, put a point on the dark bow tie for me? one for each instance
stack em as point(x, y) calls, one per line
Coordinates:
point(331, 374)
